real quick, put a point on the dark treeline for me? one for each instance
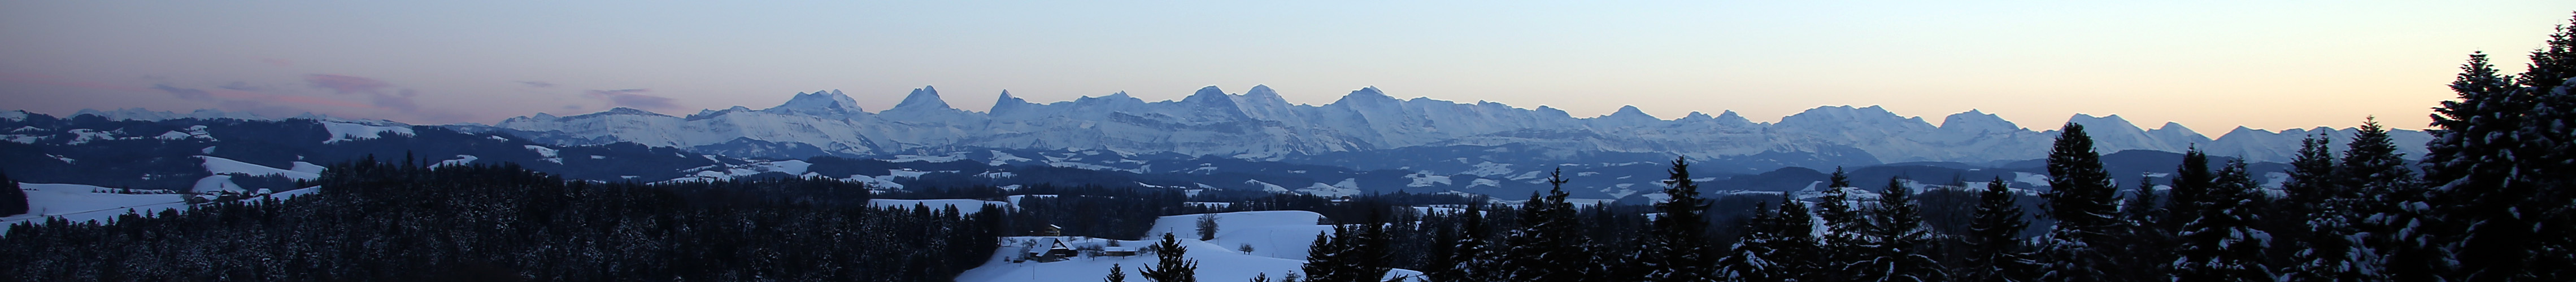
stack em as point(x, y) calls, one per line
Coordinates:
point(404, 221)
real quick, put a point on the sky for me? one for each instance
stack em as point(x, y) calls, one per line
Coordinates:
point(2210, 65)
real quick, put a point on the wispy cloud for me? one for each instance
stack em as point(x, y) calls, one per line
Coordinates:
point(537, 84)
point(383, 95)
point(632, 98)
point(347, 84)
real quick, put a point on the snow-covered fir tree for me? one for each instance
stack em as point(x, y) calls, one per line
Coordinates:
point(1996, 252)
point(1676, 248)
point(1548, 246)
point(1775, 246)
point(1169, 265)
point(2081, 198)
point(2331, 249)
point(1473, 258)
point(1899, 243)
point(2222, 244)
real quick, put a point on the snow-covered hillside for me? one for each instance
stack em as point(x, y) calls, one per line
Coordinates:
point(1278, 240)
point(77, 203)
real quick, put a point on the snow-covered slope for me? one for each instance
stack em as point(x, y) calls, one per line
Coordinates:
point(1278, 238)
point(77, 202)
point(1259, 124)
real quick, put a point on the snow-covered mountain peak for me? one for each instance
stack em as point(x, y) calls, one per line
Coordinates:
point(1552, 112)
point(819, 103)
point(1008, 104)
point(1209, 94)
point(2110, 122)
point(924, 98)
point(619, 111)
point(1365, 94)
point(1978, 122)
point(1261, 91)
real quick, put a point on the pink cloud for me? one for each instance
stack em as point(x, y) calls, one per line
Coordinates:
point(346, 84)
point(633, 98)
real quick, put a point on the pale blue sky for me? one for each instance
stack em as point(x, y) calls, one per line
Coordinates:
point(2211, 65)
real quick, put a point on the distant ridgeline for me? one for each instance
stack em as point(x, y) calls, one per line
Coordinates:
point(1247, 142)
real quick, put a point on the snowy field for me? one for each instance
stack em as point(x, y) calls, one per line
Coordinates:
point(1278, 238)
point(77, 202)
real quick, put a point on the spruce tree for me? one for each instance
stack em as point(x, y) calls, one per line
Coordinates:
point(2222, 245)
point(1900, 239)
point(2081, 198)
point(1169, 265)
point(1750, 259)
point(1472, 260)
point(2191, 180)
point(2312, 175)
point(12, 200)
point(1676, 248)
point(1842, 245)
point(1115, 274)
point(2331, 248)
point(1796, 250)
point(1834, 205)
point(1325, 259)
point(1994, 240)
point(2518, 228)
point(1547, 247)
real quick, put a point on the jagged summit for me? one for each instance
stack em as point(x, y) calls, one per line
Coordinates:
point(1258, 123)
point(1008, 104)
point(924, 98)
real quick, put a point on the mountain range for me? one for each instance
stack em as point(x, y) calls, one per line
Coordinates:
point(1259, 124)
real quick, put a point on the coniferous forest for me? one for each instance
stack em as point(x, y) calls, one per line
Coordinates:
point(2491, 202)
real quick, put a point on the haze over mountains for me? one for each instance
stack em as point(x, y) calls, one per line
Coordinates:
point(1259, 124)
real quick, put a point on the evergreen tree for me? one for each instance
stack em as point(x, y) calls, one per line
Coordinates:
point(1842, 246)
point(2331, 249)
point(1547, 247)
point(2517, 218)
point(1115, 274)
point(2222, 245)
point(2081, 199)
point(2191, 180)
point(1795, 249)
point(1774, 246)
point(1834, 205)
point(1994, 241)
point(2312, 175)
point(1473, 259)
point(1899, 240)
point(1676, 248)
point(2144, 236)
point(12, 200)
point(1353, 253)
point(1169, 265)
point(1750, 259)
